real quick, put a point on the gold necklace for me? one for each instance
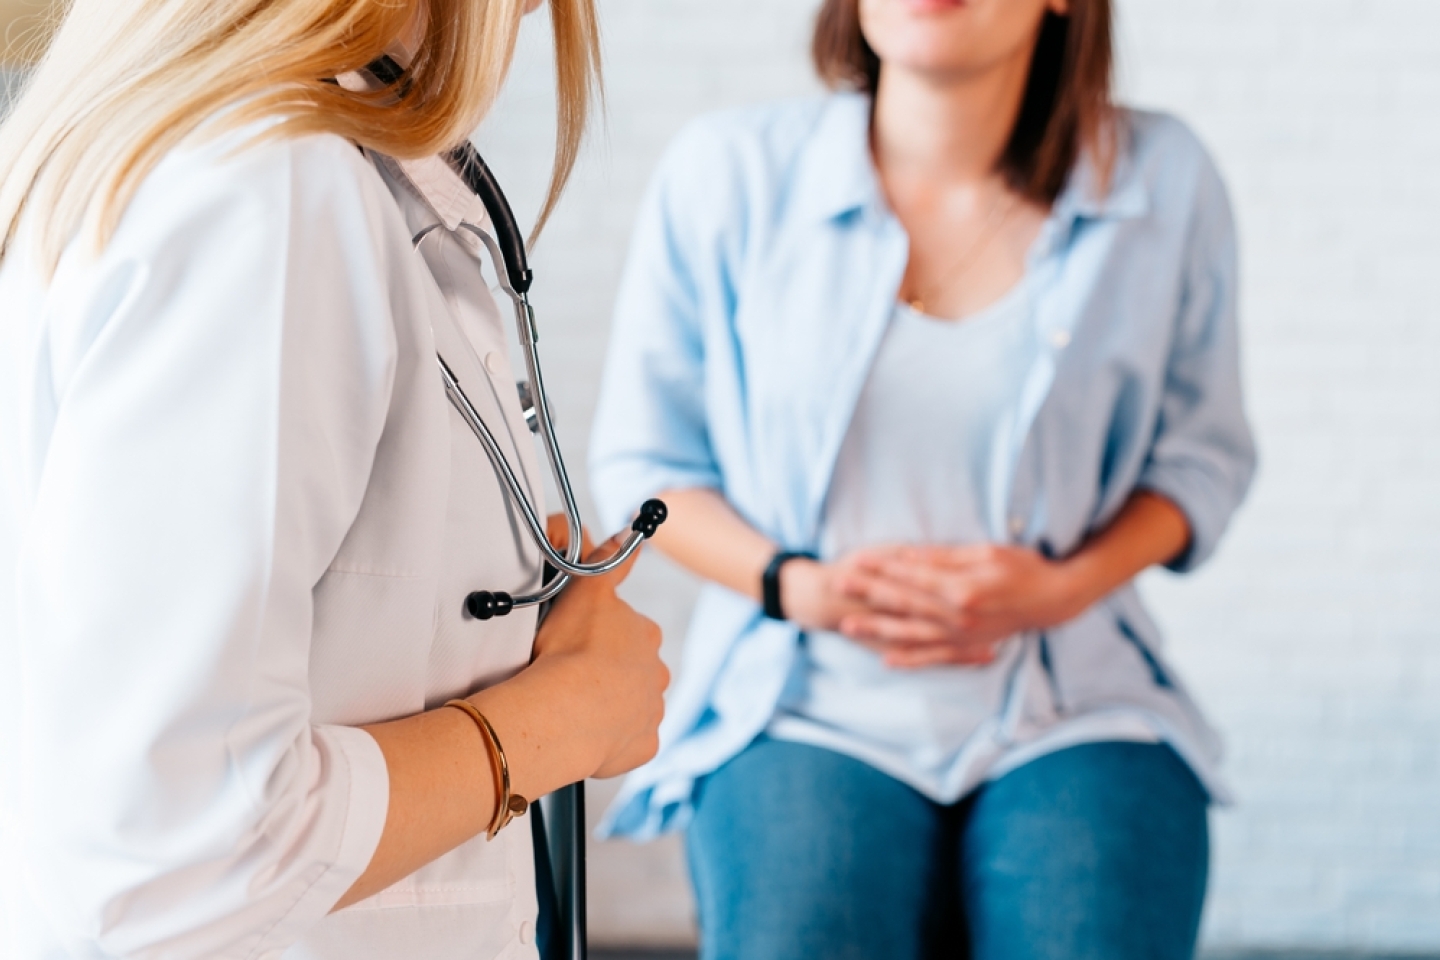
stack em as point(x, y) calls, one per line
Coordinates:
point(996, 218)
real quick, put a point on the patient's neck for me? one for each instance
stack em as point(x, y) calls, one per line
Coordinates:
point(945, 128)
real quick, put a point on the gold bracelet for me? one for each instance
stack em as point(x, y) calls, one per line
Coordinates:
point(508, 806)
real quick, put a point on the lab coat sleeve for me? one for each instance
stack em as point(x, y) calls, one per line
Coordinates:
point(221, 376)
point(651, 430)
point(1203, 455)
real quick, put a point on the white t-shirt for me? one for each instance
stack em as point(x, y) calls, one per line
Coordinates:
point(919, 464)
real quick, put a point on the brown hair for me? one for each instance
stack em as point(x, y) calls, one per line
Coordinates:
point(1067, 107)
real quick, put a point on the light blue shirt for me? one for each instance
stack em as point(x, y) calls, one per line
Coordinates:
point(763, 274)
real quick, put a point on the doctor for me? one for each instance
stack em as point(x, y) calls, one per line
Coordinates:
point(239, 520)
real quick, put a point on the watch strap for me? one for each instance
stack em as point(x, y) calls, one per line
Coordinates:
point(770, 581)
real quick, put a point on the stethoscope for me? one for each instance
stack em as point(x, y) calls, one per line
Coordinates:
point(565, 842)
point(507, 252)
point(514, 277)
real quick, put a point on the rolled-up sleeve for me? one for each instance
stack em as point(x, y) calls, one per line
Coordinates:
point(220, 382)
point(1203, 456)
point(650, 432)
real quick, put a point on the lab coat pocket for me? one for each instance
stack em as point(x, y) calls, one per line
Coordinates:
point(452, 932)
point(477, 901)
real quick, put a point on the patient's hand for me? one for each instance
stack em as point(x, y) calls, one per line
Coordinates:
point(933, 605)
point(811, 595)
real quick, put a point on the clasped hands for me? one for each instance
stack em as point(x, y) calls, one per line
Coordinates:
point(923, 606)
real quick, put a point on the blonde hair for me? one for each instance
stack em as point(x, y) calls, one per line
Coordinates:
point(126, 81)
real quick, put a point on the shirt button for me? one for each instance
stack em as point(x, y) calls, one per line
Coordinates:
point(494, 362)
point(527, 932)
point(1060, 339)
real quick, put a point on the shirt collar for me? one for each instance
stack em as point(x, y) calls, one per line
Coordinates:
point(443, 191)
point(1126, 196)
point(836, 174)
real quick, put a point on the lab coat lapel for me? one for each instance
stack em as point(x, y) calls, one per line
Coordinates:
point(487, 392)
point(447, 199)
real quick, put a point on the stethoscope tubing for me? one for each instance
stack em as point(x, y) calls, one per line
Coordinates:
point(529, 338)
point(566, 564)
point(560, 562)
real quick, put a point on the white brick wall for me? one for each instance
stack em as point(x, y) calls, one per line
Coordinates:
point(1314, 638)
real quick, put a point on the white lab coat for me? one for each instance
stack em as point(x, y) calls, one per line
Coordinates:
point(237, 519)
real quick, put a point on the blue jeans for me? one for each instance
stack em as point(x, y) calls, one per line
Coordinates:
point(1096, 852)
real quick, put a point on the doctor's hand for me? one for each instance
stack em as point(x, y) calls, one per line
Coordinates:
point(605, 659)
point(939, 605)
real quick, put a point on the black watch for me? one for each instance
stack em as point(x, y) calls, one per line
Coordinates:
point(770, 581)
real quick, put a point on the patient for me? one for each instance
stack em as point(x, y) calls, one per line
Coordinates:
point(929, 370)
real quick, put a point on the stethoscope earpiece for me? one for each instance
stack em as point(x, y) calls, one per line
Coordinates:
point(488, 604)
point(482, 604)
point(652, 514)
